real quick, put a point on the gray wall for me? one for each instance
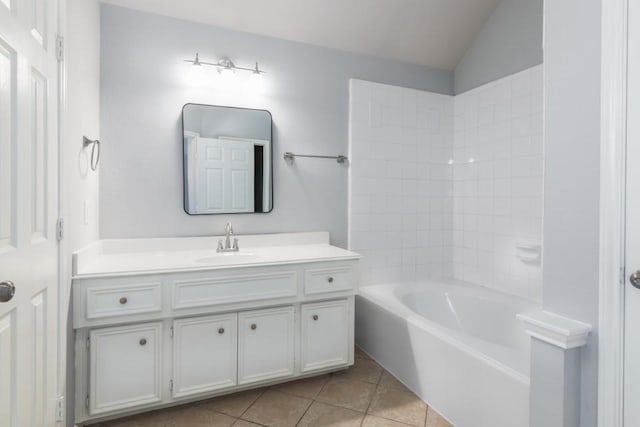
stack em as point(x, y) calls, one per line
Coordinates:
point(144, 86)
point(82, 98)
point(510, 41)
point(572, 182)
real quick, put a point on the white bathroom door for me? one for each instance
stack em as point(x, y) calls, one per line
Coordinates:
point(632, 250)
point(28, 212)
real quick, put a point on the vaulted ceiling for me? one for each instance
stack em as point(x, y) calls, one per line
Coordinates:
point(432, 33)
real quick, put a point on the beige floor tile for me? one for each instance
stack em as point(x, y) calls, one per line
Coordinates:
point(323, 415)
point(348, 394)
point(232, 404)
point(277, 409)
point(244, 423)
point(200, 417)
point(389, 381)
point(157, 418)
point(436, 420)
point(399, 406)
point(360, 354)
point(308, 387)
point(373, 421)
point(363, 370)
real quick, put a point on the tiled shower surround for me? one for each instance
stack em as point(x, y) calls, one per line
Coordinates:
point(446, 186)
point(401, 209)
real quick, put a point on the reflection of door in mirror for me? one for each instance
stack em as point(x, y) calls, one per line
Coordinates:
point(224, 175)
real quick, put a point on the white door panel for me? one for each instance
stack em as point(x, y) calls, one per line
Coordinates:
point(28, 211)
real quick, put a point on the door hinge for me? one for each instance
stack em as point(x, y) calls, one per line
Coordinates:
point(88, 342)
point(170, 385)
point(171, 332)
point(60, 409)
point(86, 402)
point(59, 48)
point(60, 229)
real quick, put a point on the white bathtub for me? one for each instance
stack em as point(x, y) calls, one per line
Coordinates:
point(457, 346)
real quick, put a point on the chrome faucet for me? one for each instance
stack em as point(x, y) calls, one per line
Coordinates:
point(227, 241)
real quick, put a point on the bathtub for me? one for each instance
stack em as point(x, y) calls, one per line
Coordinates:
point(457, 346)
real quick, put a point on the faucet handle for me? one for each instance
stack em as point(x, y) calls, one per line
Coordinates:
point(228, 228)
point(235, 244)
point(220, 246)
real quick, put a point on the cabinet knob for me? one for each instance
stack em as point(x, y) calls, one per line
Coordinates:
point(123, 300)
point(315, 317)
point(330, 279)
point(221, 331)
point(254, 326)
point(143, 341)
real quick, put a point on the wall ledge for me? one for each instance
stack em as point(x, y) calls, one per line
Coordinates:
point(554, 329)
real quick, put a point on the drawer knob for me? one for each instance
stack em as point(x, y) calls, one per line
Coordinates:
point(221, 331)
point(123, 300)
point(330, 279)
point(254, 326)
point(143, 341)
point(315, 317)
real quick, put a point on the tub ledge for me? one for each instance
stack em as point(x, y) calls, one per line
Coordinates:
point(556, 343)
point(554, 329)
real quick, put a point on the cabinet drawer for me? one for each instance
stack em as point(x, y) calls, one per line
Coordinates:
point(123, 300)
point(232, 289)
point(335, 279)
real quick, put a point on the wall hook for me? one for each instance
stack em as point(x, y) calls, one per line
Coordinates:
point(95, 151)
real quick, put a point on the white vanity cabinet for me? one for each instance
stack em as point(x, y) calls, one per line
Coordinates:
point(124, 367)
point(266, 344)
point(156, 337)
point(204, 354)
point(325, 335)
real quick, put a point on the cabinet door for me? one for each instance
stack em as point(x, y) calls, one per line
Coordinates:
point(204, 354)
point(124, 367)
point(325, 334)
point(266, 344)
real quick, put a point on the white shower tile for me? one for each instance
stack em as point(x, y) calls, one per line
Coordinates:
point(461, 219)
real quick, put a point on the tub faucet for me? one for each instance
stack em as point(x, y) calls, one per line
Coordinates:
point(227, 241)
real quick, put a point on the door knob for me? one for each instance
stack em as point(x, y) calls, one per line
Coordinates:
point(7, 290)
point(635, 279)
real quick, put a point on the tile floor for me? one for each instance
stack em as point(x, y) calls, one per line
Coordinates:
point(364, 395)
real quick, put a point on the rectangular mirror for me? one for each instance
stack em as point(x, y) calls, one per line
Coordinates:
point(227, 160)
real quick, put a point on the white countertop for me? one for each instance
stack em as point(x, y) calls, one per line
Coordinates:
point(115, 257)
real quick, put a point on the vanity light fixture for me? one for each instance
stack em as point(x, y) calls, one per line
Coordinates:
point(225, 66)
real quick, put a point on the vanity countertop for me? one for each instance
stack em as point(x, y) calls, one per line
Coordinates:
point(115, 257)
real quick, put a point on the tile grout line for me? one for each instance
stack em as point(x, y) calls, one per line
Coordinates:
point(251, 404)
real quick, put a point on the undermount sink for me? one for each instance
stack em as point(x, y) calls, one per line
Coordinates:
point(229, 258)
